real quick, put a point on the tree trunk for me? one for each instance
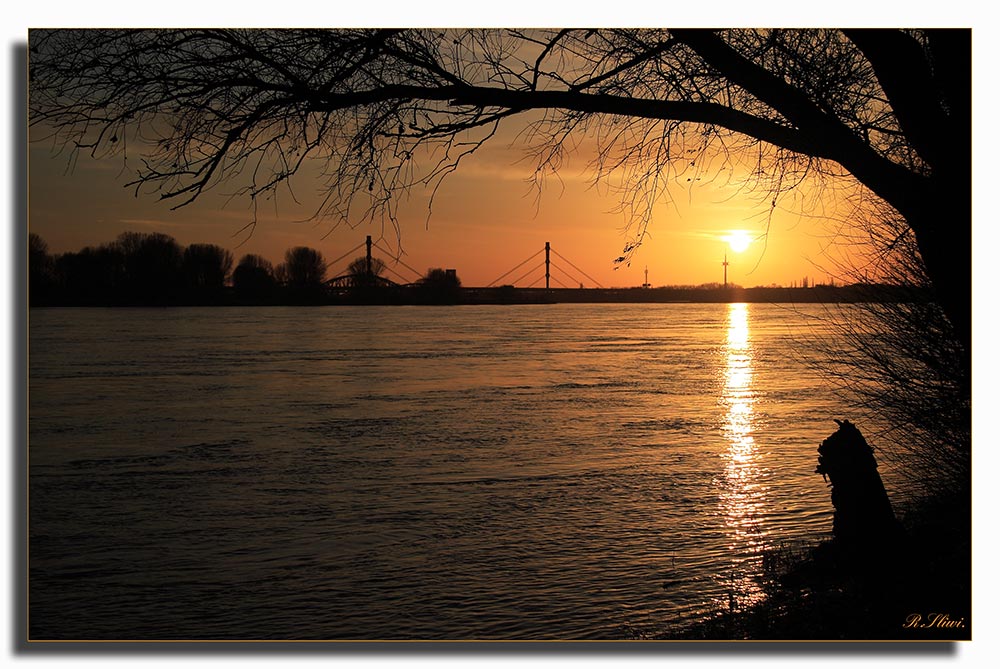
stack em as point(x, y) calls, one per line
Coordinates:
point(943, 229)
point(863, 518)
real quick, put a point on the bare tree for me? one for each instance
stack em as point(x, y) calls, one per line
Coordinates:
point(206, 266)
point(387, 110)
point(41, 270)
point(95, 276)
point(365, 273)
point(303, 267)
point(898, 361)
point(152, 266)
point(254, 275)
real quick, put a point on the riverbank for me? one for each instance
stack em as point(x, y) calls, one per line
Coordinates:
point(919, 591)
point(391, 295)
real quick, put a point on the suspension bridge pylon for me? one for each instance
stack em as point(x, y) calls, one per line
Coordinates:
point(548, 265)
point(368, 275)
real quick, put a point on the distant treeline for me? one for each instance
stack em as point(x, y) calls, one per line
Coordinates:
point(152, 269)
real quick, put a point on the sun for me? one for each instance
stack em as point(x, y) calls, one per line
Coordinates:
point(739, 240)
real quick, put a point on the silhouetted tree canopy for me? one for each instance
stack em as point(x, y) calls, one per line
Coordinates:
point(41, 270)
point(152, 266)
point(93, 276)
point(303, 267)
point(386, 110)
point(363, 275)
point(206, 266)
point(38, 249)
point(254, 276)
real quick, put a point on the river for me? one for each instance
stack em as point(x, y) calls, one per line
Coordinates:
point(480, 472)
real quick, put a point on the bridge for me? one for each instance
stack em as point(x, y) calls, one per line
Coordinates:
point(548, 265)
point(365, 272)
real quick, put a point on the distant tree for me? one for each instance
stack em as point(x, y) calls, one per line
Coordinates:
point(304, 267)
point(281, 274)
point(41, 271)
point(92, 276)
point(254, 277)
point(206, 267)
point(38, 250)
point(440, 286)
point(153, 272)
point(362, 275)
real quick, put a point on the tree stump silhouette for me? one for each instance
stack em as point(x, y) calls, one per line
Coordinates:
point(863, 516)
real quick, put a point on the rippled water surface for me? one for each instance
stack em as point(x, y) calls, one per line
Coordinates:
point(528, 472)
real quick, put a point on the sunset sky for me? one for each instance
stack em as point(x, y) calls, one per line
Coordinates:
point(486, 220)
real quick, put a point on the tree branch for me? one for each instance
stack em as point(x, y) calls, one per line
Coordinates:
point(667, 110)
point(835, 140)
point(904, 74)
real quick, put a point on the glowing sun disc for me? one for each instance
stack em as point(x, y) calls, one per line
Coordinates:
point(739, 240)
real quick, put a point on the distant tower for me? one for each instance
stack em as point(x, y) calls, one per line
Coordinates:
point(725, 271)
point(646, 284)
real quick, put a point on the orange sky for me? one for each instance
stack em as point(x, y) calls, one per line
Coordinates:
point(485, 221)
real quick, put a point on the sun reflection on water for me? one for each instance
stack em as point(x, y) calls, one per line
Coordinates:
point(742, 490)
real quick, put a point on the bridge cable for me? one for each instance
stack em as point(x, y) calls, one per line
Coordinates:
point(386, 268)
point(576, 268)
point(515, 268)
point(396, 259)
point(345, 255)
point(538, 266)
point(566, 274)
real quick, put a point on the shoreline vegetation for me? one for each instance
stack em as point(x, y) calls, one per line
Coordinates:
point(883, 576)
point(918, 590)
